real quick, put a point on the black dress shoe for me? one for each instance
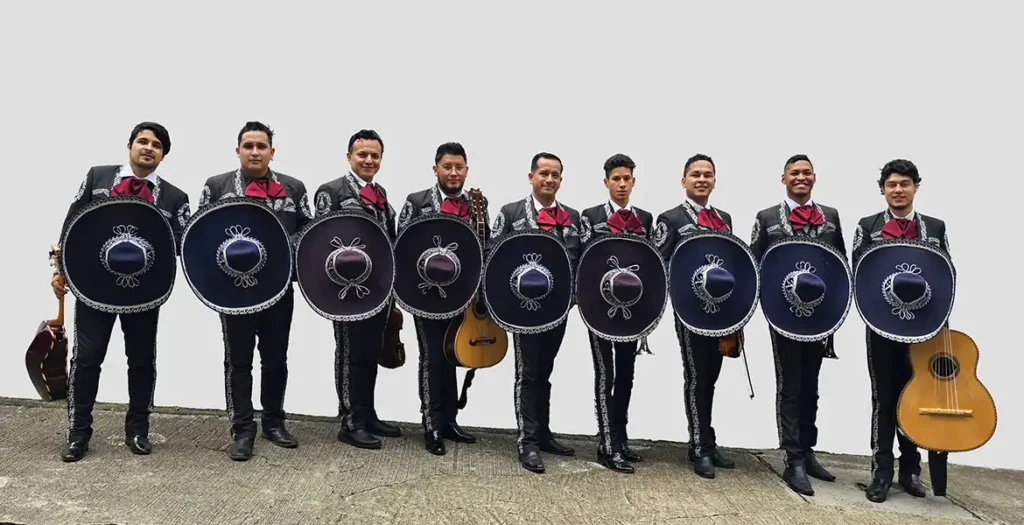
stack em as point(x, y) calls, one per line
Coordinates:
point(434, 443)
point(359, 438)
point(796, 478)
point(74, 451)
point(455, 433)
point(815, 470)
point(878, 490)
point(531, 461)
point(280, 437)
point(138, 444)
point(241, 449)
point(616, 462)
point(380, 428)
point(912, 485)
point(721, 461)
point(554, 447)
point(704, 466)
point(628, 453)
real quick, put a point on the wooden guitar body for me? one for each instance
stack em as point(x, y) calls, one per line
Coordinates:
point(477, 341)
point(944, 407)
point(47, 355)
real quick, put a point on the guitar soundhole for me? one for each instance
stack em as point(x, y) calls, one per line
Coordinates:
point(480, 309)
point(944, 367)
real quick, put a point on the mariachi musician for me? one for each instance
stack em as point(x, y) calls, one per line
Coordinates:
point(358, 344)
point(251, 306)
point(798, 363)
point(536, 322)
point(622, 288)
point(714, 294)
point(887, 345)
point(440, 265)
point(133, 218)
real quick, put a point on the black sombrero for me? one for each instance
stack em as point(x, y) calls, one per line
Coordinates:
point(118, 255)
point(237, 256)
point(344, 266)
point(904, 289)
point(439, 262)
point(806, 288)
point(528, 281)
point(714, 283)
point(621, 287)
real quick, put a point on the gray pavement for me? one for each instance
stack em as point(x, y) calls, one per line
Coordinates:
point(189, 479)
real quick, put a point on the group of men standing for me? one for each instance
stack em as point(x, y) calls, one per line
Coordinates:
point(692, 243)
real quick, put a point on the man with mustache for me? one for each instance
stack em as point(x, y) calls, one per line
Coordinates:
point(358, 344)
point(702, 361)
point(148, 144)
point(288, 198)
point(889, 361)
point(535, 353)
point(438, 390)
point(797, 364)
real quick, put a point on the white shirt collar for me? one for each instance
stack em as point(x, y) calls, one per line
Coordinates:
point(616, 207)
point(359, 180)
point(126, 171)
point(793, 204)
point(538, 206)
point(696, 206)
point(462, 193)
point(909, 216)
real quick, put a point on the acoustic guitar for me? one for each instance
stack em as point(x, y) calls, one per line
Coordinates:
point(476, 341)
point(944, 407)
point(46, 358)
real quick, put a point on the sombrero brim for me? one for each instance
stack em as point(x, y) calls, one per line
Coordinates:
point(621, 251)
point(204, 234)
point(431, 231)
point(881, 260)
point(316, 243)
point(506, 255)
point(693, 252)
point(82, 261)
point(826, 263)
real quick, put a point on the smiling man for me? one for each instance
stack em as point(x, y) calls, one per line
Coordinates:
point(359, 343)
point(797, 364)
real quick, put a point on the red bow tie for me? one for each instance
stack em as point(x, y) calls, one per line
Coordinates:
point(133, 186)
point(264, 189)
point(625, 221)
point(899, 229)
point(805, 215)
point(372, 197)
point(711, 220)
point(548, 218)
point(456, 207)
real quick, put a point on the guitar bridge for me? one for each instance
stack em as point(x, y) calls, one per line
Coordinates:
point(945, 411)
point(482, 341)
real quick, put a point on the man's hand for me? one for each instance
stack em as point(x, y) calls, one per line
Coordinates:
point(59, 289)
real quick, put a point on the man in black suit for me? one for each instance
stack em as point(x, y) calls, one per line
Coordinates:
point(702, 361)
point(535, 353)
point(358, 344)
point(148, 144)
point(797, 364)
point(889, 361)
point(614, 362)
point(288, 198)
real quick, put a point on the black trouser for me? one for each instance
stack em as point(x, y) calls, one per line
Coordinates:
point(357, 346)
point(889, 368)
point(613, 384)
point(438, 388)
point(535, 359)
point(93, 329)
point(273, 327)
point(796, 394)
point(702, 363)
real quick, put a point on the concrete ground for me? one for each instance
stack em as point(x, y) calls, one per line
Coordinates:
point(189, 479)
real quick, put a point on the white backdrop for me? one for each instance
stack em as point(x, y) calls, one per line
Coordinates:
point(748, 85)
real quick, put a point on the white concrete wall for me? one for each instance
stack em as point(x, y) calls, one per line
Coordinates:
point(748, 85)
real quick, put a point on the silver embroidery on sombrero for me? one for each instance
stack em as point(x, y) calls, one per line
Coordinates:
point(797, 305)
point(330, 266)
point(438, 250)
point(243, 278)
point(901, 309)
point(607, 283)
point(699, 282)
point(127, 234)
point(532, 264)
